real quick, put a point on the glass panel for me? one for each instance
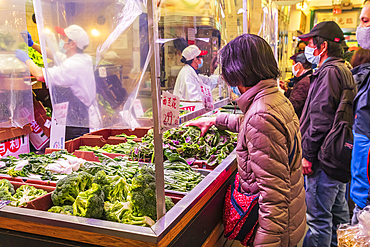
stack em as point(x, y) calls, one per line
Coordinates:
point(208, 25)
point(99, 55)
point(16, 107)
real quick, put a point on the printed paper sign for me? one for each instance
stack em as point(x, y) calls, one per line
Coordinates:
point(170, 110)
point(15, 146)
point(57, 133)
point(3, 203)
point(138, 108)
point(60, 112)
point(207, 98)
point(37, 136)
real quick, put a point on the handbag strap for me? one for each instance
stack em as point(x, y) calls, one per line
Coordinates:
point(291, 155)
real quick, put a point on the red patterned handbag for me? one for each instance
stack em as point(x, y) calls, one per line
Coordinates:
point(240, 214)
point(241, 210)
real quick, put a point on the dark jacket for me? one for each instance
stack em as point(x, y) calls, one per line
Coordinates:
point(327, 84)
point(361, 104)
point(360, 167)
point(299, 93)
point(266, 137)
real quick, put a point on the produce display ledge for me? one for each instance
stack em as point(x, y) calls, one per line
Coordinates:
point(192, 219)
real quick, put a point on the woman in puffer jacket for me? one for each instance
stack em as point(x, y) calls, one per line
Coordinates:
point(267, 133)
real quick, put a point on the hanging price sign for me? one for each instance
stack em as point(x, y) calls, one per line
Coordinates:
point(206, 96)
point(170, 110)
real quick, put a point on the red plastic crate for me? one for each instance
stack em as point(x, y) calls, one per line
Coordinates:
point(41, 203)
point(106, 133)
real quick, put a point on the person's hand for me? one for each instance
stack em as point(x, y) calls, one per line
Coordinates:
point(203, 123)
point(21, 55)
point(27, 38)
point(283, 85)
point(307, 167)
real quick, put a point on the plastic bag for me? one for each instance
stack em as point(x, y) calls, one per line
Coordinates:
point(356, 235)
point(101, 81)
point(16, 107)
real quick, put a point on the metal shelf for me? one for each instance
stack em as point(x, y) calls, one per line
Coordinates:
point(191, 115)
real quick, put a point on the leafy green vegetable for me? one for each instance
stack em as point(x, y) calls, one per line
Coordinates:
point(90, 203)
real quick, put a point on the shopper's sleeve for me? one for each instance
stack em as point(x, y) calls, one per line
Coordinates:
point(231, 122)
point(268, 157)
point(323, 107)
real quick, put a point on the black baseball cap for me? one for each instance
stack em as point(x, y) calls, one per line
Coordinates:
point(327, 30)
point(300, 58)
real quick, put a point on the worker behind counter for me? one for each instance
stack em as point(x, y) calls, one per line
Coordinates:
point(72, 80)
point(187, 85)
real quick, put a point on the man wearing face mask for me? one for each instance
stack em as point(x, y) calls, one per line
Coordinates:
point(325, 194)
point(187, 85)
point(361, 129)
point(72, 80)
point(300, 83)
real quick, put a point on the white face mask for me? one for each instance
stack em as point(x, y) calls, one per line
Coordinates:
point(61, 46)
point(363, 36)
point(308, 52)
point(295, 72)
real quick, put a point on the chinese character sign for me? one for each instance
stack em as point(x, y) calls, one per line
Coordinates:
point(170, 110)
point(206, 96)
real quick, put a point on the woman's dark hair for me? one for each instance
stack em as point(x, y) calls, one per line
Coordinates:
point(247, 60)
point(361, 56)
point(183, 60)
point(334, 49)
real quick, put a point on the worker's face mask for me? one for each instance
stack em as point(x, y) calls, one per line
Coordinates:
point(295, 72)
point(201, 63)
point(61, 46)
point(236, 91)
point(308, 52)
point(363, 35)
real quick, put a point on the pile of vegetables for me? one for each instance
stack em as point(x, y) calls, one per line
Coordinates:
point(109, 196)
point(33, 54)
point(21, 196)
point(213, 147)
point(44, 166)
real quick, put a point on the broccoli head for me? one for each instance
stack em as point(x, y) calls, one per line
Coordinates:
point(6, 185)
point(68, 188)
point(115, 211)
point(115, 188)
point(5, 195)
point(169, 203)
point(67, 209)
point(129, 218)
point(90, 203)
point(143, 193)
point(26, 193)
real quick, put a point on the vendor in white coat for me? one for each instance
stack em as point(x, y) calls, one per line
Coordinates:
point(187, 83)
point(72, 80)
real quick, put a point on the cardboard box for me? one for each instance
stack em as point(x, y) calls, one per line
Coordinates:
point(37, 137)
point(15, 146)
point(43, 121)
point(9, 133)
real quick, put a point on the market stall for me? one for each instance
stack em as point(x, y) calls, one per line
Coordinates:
point(121, 70)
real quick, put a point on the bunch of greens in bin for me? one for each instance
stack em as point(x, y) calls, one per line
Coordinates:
point(34, 164)
point(48, 111)
point(26, 193)
point(112, 193)
point(21, 196)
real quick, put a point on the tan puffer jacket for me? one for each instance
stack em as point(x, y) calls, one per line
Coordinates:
point(266, 138)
